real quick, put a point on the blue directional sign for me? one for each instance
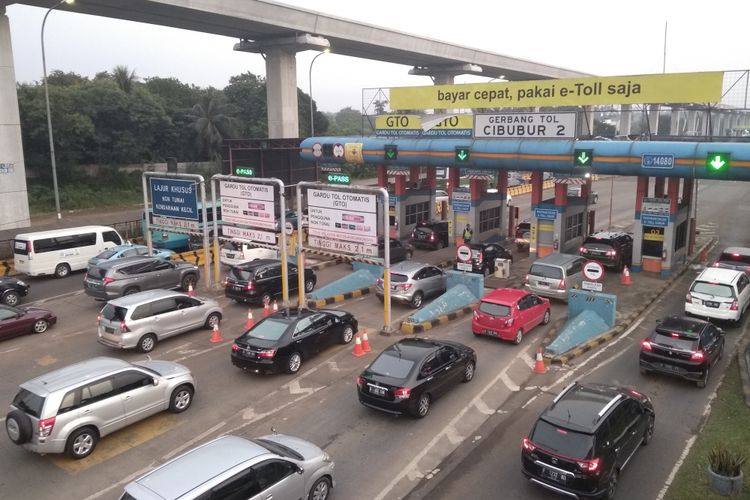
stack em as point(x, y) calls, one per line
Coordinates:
point(655, 220)
point(175, 198)
point(545, 213)
point(461, 206)
point(649, 160)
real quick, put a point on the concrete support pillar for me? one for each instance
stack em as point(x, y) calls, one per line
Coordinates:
point(477, 188)
point(641, 191)
point(688, 185)
point(382, 171)
point(281, 93)
point(586, 188)
point(400, 187)
point(561, 195)
point(431, 180)
point(659, 187)
point(414, 176)
point(673, 191)
point(443, 78)
point(454, 179)
point(13, 191)
point(653, 119)
point(687, 191)
point(623, 127)
point(537, 188)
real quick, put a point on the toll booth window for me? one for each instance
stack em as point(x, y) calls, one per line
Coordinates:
point(392, 220)
point(680, 236)
point(489, 219)
point(417, 212)
point(574, 226)
point(653, 241)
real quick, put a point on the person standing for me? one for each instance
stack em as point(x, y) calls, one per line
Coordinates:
point(468, 234)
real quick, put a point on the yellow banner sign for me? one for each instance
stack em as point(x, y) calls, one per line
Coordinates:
point(639, 89)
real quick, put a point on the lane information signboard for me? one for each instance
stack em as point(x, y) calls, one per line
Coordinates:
point(248, 204)
point(525, 125)
point(174, 198)
point(343, 216)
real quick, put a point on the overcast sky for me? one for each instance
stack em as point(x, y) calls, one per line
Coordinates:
point(593, 36)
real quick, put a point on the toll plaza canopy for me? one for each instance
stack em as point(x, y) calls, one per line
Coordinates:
point(703, 160)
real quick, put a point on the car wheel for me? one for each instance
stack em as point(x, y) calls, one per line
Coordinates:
point(10, 298)
point(381, 298)
point(611, 486)
point(347, 334)
point(416, 300)
point(649, 431)
point(62, 270)
point(40, 326)
point(212, 320)
point(187, 280)
point(131, 290)
point(468, 372)
point(704, 379)
point(545, 321)
point(320, 490)
point(18, 427)
point(519, 337)
point(81, 443)
point(423, 406)
point(147, 343)
point(294, 363)
point(309, 285)
point(181, 399)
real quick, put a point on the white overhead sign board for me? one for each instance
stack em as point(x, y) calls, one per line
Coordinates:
point(249, 234)
point(525, 126)
point(343, 216)
point(248, 204)
point(343, 246)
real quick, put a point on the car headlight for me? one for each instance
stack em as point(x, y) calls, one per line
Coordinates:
point(21, 283)
point(327, 458)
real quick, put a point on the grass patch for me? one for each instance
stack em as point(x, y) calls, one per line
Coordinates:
point(729, 424)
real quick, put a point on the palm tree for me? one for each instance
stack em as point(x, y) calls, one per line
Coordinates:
point(124, 78)
point(210, 118)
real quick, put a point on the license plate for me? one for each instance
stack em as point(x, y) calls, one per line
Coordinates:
point(463, 266)
point(237, 288)
point(230, 256)
point(490, 332)
point(542, 284)
point(553, 475)
point(709, 303)
point(109, 330)
point(378, 391)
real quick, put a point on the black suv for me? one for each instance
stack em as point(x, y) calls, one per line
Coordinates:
point(483, 257)
point(431, 234)
point(682, 346)
point(583, 440)
point(11, 290)
point(613, 249)
point(260, 280)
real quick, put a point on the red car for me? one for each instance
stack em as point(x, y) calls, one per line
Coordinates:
point(15, 321)
point(509, 314)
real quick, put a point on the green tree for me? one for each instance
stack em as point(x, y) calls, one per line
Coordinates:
point(212, 122)
point(124, 78)
point(246, 94)
point(348, 121)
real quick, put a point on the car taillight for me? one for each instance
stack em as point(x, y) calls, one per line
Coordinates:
point(226, 281)
point(250, 286)
point(267, 353)
point(98, 317)
point(611, 253)
point(404, 286)
point(646, 345)
point(432, 236)
point(590, 466)
point(716, 264)
point(124, 327)
point(45, 426)
point(379, 281)
point(476, 314)
point(561, 286)
point(689, 298)
point(414, 235)
point(107, 281)
point(480, 257)
point(28, 248)
point(402, 393)
point(509, 321)
point(235, 347)
point(526, 279)
point(697, 356)
point(528, 445)
point(734, 306)
point(360, 381)
point(583, 250)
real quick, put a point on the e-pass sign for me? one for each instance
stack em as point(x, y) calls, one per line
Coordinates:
point(463, 253)
point(593, 271)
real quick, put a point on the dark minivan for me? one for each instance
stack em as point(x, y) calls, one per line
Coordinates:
point(431, 234)
point(259, 281)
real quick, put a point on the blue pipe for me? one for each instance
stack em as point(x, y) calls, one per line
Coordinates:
point(610, 157)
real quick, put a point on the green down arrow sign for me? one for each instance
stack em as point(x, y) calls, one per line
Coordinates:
point(583, 157)
point(717, 162)
point(462, 155)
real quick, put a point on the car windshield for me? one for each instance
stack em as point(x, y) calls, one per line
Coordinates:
point(241, 274)
point(399, 278)
point(494, 309)
point(562, 441)
point(715, 289)
point(107, 254)
point(29, 402)
point(546, 271)
point(269, 329)
point(424, 229)
point(114, 313)
point(675, 340)
point(391, 364)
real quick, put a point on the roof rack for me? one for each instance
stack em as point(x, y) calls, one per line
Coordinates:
point(563, 392)
point(608, 406)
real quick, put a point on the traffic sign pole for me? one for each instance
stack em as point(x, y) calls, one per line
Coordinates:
point(301, 292)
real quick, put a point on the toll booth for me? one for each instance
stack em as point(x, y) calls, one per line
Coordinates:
point(411, 197)
point(484, 210)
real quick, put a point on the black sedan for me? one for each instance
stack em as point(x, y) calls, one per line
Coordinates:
point(684, 347)
point(410, 374)
point(282, 341)
point(15, 321)
point(11, 290)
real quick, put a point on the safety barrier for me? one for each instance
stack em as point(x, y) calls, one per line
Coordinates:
point(318, 303)
point(412, 328)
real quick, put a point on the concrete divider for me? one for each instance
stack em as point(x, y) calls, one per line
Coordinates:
point(463, 292)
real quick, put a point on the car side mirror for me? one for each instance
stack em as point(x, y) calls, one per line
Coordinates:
point(155, 381)
point(658, 321)
point(300, 470)
point(720, 330)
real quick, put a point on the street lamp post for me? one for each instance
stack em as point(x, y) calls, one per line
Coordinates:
point(49, 116)
point(312, 116)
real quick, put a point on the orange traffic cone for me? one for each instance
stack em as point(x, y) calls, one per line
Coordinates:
point(216, 334)
point(365, 341)
point(358, 351)
point(190, 290)
point(266, 309)
point(275, 306)
point(250, 321)
point(539, 365)
point(625, 278)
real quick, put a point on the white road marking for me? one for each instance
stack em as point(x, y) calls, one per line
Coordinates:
point(508, 382)
point(526, 358)
point(191, 442)
point(10, 350)
point(483, 408)
point(121, 482)
point(333, 366)
point(181, 346)
point(295, 388)
point(203, 351)
point(453, 436)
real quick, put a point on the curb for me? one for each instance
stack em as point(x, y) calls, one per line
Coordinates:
point(628, 319)
point(412, 328)
point(743, 360)
point(318, 303)
point(324, 264)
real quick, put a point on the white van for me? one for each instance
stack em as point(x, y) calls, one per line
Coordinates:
point(232, 253)
point(60, 251)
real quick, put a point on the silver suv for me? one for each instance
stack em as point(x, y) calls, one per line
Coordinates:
point(412, 282)
point(116, 278)
point(275, 466)
point(141, 319)
point(69, 409)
